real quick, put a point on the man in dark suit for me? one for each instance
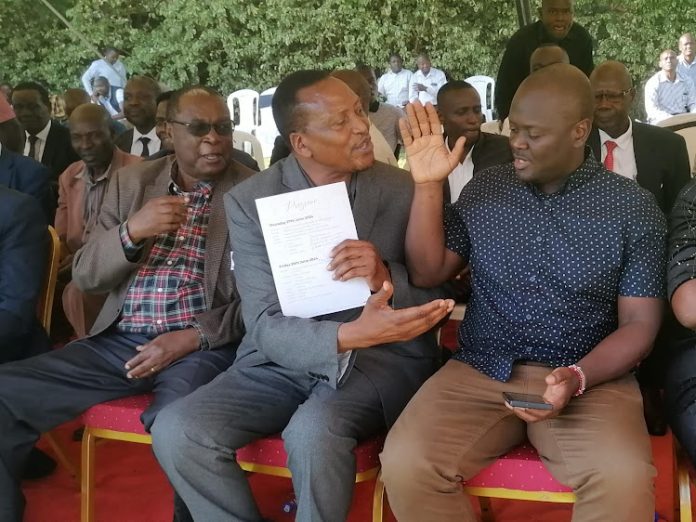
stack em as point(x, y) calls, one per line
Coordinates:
point(658, 160)
point(459, 108)
point(140, 109)
point(172, 318)
point(23, 256)
point(19, 172)
point(326, 382)
point(47, 141)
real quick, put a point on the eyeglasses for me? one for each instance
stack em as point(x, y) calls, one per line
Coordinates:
point(611, 96)
point(202, 128)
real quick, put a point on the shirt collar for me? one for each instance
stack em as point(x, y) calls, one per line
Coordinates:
point(683, 61)
point(152, 134)
point(468, 154)
point(203, 187)
point(662, 77)
point(577, 179)
point(88, 177)
point(43, 133)
point(621, 141)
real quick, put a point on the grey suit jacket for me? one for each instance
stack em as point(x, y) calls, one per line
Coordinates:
point(309, 346)
point(100, 266)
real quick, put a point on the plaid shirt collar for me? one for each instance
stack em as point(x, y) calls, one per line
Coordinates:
point(203, 187)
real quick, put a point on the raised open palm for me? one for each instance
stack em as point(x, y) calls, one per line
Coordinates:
point(428, 157)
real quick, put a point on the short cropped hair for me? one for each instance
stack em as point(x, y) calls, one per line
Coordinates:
point(164, 97)
point(35, 86)
point(175, 97)
point(287, 117)
point(454, 85)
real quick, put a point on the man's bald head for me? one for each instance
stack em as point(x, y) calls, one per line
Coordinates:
point(550, 121)
point(547, 54)
point(561, 83)
point(73, 98)
point(612, 88)
point(91, 135)
point(357, 83)
point(613, 70)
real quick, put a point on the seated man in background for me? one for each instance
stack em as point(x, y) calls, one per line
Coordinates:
point(459, 109)
point(547, 54)
point(81, 190)
point(19, 172)
point(395, 84)
point(47, 141)
point(23, 259)
point(140, 109)
point(109, 96)
point(382, 115)
point(171, 322)
point(426, 81)
point(567, 319)
point(666, 92)
point(658, 160)
point(326, 382)
point(382, 150)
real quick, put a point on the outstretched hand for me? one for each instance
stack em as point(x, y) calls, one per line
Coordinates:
point(421, 132)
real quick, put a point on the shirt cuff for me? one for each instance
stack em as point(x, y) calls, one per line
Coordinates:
point(129, 248)
point(204, 344)
point(343, 360)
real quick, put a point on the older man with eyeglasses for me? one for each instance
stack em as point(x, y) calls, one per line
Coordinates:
point(658, 160)
point(172, 319)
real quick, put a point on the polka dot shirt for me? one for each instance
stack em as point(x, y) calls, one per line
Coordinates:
point(547, 269)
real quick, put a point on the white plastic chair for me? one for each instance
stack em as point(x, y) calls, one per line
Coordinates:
point(493, 127)
point(247, 142)
point(485, 86)
point(243, 106)
point(685, 125)
point(267, 130)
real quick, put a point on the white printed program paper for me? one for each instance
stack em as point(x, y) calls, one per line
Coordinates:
point(300, 229)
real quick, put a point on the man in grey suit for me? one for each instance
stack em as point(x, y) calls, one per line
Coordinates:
point(326, 382)
point(171, 321)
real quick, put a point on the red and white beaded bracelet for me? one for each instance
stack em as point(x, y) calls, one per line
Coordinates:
point(581, 377)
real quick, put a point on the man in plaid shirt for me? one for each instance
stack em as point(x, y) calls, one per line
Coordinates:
point(171, 321)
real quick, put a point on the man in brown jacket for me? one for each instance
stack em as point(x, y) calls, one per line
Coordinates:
point(81, 189)
point(172, 318)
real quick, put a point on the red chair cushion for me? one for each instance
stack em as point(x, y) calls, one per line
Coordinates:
point(521, 469)
point(270, 451)
point(119, 415)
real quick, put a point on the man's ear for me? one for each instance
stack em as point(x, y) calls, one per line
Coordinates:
point(581, 132)
point(299, 145)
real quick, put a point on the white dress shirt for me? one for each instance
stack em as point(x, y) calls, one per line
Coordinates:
point(395, 87)
point(685, 69)
point(106, 103)
point(664, 98)
point(152, 146)
point(116, 74)
point(432, 81)
point(40, 143)
point(624, 155)
point(461, 175)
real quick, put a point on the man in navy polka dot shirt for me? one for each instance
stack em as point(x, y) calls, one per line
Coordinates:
point(567, 265)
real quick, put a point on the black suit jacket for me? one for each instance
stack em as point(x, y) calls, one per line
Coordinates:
point(23, 255)
point(58, 153)
point(662, 161)
point(124, 141)
point(30, 177)
point(490, 150)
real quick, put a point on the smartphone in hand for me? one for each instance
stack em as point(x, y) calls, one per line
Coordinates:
point(525, 400)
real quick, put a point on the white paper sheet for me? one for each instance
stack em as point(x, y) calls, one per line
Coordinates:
point(300, 229)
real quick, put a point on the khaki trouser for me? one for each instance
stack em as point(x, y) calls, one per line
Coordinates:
point(457, 424)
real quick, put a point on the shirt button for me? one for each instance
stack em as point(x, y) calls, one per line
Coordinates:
point(159, 321)
point(160, 290)
point(528, 317)
point(539, 239)
point(528, 350)
point(181, 238)
point(170, 262)
point(532, 279)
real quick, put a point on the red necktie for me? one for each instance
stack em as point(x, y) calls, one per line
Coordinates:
point(609, 158)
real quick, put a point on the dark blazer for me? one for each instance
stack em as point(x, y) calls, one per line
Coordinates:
point(490, 150)
point(58, 153)
point(662, 161)
point(308, 346)
point(100, 266)
point(124, 141)
point(23, 257)
point(29, 176)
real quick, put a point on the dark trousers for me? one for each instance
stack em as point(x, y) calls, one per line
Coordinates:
point(680, 394)
point(42, 392)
